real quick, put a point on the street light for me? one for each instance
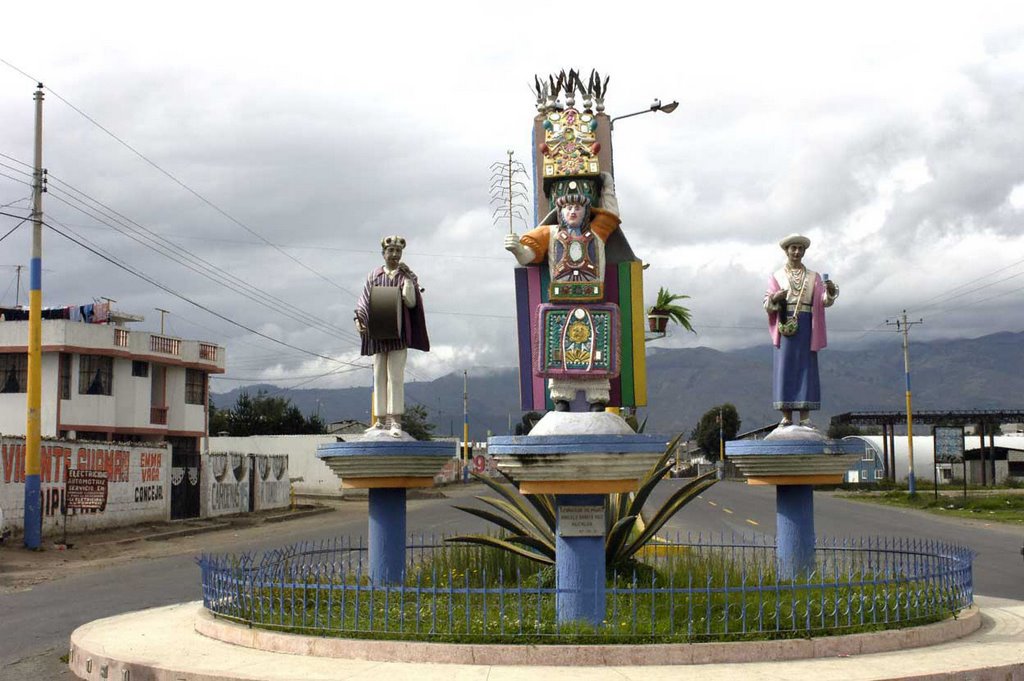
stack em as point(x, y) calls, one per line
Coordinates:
point(655, 106)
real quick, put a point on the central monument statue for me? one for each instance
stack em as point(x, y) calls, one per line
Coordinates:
point(575, 326)
point(579, 287)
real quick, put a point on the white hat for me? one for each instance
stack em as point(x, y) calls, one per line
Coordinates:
point(794, 239)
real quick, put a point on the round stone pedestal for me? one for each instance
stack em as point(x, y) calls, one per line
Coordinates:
point(387, 467)
point(580, 457)
point(794, 458)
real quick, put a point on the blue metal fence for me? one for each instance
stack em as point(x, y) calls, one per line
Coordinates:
point(685, 589)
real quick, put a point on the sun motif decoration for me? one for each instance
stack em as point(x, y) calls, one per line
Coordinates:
point(579, 332)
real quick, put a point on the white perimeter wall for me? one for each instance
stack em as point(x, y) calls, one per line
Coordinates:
point(317, 478)
point(233, 477)
point(138, 482)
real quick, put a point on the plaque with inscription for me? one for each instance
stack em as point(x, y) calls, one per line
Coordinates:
point(581, 521)
point(86, 490)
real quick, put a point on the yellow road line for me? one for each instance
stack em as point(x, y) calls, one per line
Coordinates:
point(752, 522)
point(713, 503)
point(727, 510)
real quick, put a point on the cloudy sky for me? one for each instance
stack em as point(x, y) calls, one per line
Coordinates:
point(249, 156)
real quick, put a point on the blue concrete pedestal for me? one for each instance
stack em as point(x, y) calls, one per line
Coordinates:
point(579, 566)
point(387, 535)
point(794, 530)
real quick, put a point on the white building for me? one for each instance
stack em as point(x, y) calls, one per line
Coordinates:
point(1008, 463)
point(110, 383)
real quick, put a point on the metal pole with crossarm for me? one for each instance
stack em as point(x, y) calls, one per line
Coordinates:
point(33, 507)
point(904, 326)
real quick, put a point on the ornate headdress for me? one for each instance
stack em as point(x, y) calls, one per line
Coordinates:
point(394, 240)
point(574, 199)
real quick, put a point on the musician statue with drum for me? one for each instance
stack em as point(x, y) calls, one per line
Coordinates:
point(389, 317)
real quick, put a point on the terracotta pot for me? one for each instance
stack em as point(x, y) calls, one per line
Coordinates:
point(657, 321)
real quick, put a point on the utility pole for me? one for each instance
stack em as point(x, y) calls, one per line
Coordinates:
point(465, 425)
point(33, 506)
point(17, 287)
point(162, 313)
point(904, 326)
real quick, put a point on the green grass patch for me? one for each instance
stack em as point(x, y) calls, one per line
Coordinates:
point(998, 507)
point(468, 594)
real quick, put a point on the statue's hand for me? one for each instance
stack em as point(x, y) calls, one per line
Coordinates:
point(831, 287)
point(404, 269)
point(779, 297)
point(512, 243)
point(360, 327)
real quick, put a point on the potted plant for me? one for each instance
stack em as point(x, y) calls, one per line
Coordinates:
point(665, 310)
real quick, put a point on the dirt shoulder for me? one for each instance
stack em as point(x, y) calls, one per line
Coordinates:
point(21, 568)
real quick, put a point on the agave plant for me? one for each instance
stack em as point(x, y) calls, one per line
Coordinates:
point(528, 521)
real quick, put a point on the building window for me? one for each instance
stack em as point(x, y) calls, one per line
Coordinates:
point(140, 369)
point(13, 372)
point(195, 386)
point(64, 376)
point(95, 375)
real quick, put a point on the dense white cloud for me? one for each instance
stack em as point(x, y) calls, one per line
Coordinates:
point(888, 132)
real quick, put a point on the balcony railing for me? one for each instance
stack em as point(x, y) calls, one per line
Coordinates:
point(168, 346)
point(208, 351)
point(158, 415)
point(121, 338)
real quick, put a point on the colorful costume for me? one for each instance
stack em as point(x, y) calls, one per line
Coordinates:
point(389, 355)
point(576, 263)
point(795, 384)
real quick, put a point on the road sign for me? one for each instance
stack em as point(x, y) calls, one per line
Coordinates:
point(949, 444)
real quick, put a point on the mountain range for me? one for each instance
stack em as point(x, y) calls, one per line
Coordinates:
point(976, 373)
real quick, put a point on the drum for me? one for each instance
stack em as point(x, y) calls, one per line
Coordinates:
point(385, 318)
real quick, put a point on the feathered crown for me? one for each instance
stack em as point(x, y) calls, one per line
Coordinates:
point(394, 240)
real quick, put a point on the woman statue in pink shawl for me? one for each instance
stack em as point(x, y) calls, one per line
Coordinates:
point(795, 302)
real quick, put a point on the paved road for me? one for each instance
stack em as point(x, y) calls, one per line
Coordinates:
point(38, 622)
point(732, 506)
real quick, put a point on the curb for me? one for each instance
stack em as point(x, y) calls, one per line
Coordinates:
point(183, 532)
point(162, 644)
point(295, 515)
point(588, 655)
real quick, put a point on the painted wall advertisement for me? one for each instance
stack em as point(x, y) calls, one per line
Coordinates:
point(136, 477)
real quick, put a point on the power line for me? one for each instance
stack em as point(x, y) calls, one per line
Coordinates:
point(195, 263)
point(154, 282)
point(973, 290)
point(196, 194)
point(15, 179)
point(12, 215)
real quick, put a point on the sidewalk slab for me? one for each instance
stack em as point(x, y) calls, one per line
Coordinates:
point(162, 644)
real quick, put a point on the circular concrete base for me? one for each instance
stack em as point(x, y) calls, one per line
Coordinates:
point(163, 644)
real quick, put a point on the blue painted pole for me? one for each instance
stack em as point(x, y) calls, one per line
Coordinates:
point(387, 535)
point(794, 530)
point(33, 429)
point(579, 567)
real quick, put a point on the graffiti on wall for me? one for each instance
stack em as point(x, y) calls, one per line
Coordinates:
point(238, 476)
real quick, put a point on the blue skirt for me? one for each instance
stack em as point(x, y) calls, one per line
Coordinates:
point(795, 383)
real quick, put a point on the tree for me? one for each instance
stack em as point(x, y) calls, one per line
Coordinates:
point(706, 434)
point(263, 415)
point(414, 422)
point(530, 419)
point(837, 431)
point(218, 419)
